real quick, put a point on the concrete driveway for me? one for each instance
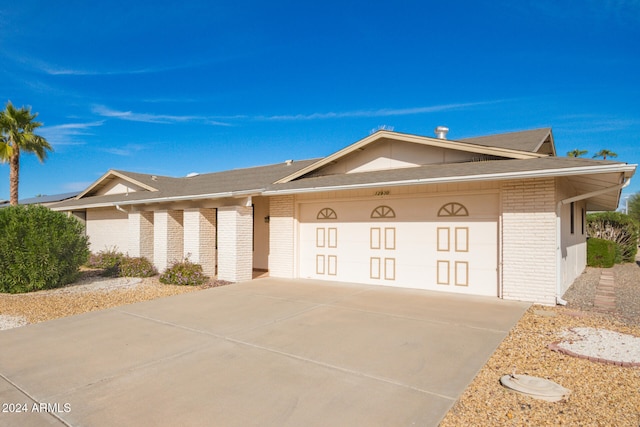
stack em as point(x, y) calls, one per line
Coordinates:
point(269, 352)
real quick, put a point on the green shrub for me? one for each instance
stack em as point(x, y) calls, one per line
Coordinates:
point(39, 248)
point(137, 267)
point(601, 252)
point(616, 227)
point(184, 273)
point(108, 259)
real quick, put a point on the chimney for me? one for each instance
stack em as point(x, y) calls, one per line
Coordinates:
point(441, 132)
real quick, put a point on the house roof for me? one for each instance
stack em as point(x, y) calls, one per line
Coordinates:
point(527, 154)
point(210, 186)
point(43, 199)
point(580, 171)
point(529, 140)
point(496, 151)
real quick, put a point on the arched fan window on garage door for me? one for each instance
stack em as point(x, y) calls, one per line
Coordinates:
point(453, 209)
point(383, 212)
point(327, 213)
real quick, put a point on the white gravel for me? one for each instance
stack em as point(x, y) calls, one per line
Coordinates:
point(103, 284)
point(602, 344)
point(10, 322)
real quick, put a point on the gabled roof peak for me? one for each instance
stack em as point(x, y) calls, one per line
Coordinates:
point(483, 148)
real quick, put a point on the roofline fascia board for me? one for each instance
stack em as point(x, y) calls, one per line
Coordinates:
point(227, 194)
point(485, 177)
point(424, 140)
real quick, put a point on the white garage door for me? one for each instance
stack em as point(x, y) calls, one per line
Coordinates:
point(438, 243)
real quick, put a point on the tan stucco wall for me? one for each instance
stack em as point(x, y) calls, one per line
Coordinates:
point(107, 228)
point(388, 154)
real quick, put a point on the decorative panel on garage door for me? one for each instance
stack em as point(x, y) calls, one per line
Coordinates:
point(382, 244)
point(436, 242)
point(453, 263)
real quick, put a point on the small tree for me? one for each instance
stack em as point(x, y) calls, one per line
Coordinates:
point(604, 154)
point(634, 207)
point(577, 153)
point(616, 227)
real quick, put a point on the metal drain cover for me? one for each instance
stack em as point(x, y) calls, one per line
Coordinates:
point(535, 387)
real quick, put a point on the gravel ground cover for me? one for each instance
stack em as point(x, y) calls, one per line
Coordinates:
point(88, 294)
point(601, 394)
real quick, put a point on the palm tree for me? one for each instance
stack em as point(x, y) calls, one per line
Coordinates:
point(577, 153)
point(16, 134)
point(604, 154)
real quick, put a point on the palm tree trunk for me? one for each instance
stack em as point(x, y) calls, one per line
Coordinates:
point(14, 176)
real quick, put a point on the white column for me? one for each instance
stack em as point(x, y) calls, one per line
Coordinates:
point(235, 243)
point(141, 235)
point(168, 238)
point(281, 236)
point(200, 238)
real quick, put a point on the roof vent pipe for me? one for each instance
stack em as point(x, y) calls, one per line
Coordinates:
point(441, 132)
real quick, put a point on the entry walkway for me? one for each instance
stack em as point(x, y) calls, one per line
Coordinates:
point(269, 352)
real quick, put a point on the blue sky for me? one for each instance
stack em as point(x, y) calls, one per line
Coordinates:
point(198, 86)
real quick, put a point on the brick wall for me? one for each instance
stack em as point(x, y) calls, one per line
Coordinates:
point(200, 238)
point(281, 234)
point(235, 243)
point(141, 235)
point(168, 238)
point(529, 240)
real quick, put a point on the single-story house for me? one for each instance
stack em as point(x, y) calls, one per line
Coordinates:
point(498, 215)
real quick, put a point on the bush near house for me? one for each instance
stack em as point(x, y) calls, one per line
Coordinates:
point(618, 228)
point(108, 259)
point(601, 253)
point(137, 267)
point(39, 249)
point(117, 264)
point(184, 273)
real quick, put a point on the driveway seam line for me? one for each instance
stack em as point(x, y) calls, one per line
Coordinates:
point(338, 368)
point(293, 356)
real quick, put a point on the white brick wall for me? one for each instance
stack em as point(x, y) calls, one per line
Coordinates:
point(235, 243)
point(141, 235)
point(281, 233)
point(168, 238)
point(529, 240)
point(200, 238)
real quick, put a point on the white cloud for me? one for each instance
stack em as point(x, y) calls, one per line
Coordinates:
point(69, 133)
point(386, 112)
point(152, 118)
point(127, 150)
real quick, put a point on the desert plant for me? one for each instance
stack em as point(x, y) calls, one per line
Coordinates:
point(616, 227)
point(39, 248)
point(108, 259)
point(184, 273)
point(136, 267)
point(601, 252)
